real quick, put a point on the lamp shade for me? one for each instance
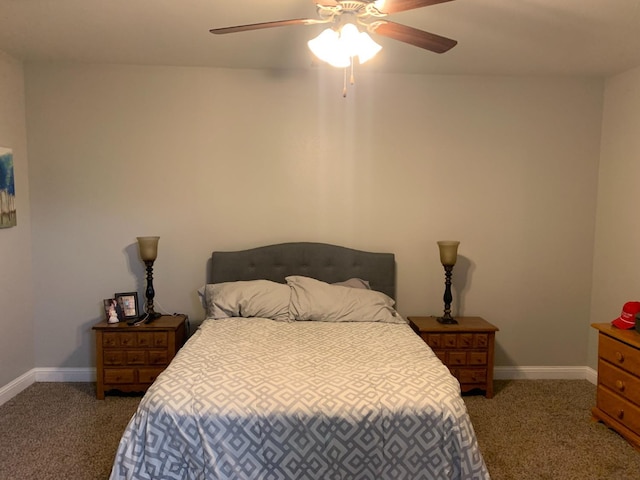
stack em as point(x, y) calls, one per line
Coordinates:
point(148, 248)
point(448, 251)
point(327, 47)
point(367, 48)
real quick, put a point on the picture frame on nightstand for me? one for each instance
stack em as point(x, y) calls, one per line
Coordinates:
point(111, 310)
point(128, 305)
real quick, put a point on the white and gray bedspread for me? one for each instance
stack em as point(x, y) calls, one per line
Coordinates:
point(264, 400)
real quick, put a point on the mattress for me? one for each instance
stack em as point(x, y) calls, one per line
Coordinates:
point(254, 398)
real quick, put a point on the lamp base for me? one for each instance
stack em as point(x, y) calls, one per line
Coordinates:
point(447, 320)
point(152, 316)
point(144, 318)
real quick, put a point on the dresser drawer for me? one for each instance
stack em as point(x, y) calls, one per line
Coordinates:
point(619, 409)
point(619, 353)
point(621, 382)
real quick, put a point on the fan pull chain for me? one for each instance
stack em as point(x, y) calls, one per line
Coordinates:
point(352, 80)
point(344, 84)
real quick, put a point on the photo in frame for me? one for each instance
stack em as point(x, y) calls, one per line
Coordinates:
point(127, 303)
point(111, 310)
point(8, 216)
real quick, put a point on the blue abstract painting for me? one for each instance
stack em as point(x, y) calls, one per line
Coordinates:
point(7, 189)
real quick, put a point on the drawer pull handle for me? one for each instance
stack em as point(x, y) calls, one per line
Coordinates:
point(619, 357)
point(620, 414)
point(620, 385)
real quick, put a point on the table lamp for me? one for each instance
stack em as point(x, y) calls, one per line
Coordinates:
point(448, 257)
point(148, 247)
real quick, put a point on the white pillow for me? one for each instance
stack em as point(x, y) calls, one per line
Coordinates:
point(253, 298)
point(315, 300)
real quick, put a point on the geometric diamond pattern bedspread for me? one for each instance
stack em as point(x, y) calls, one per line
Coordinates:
point(256, 399)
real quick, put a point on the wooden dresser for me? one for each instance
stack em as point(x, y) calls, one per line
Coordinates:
point(467, 348)
point(618, 393)
point(129, 358)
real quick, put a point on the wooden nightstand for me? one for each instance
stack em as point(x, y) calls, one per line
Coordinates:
point(618, 393)
point(467, 348)
point(129, 358)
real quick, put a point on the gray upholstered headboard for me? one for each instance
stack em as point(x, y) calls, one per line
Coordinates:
point(329, 263)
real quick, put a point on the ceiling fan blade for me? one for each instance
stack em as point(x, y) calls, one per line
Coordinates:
point(259, 26)
point(393, 6)
point(326, 3)
point(413, 36)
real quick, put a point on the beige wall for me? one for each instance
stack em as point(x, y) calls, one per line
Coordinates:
point(221, 159)
point(616, 278)
point(16, 307)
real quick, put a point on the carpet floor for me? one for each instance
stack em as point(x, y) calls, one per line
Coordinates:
point(530, 430)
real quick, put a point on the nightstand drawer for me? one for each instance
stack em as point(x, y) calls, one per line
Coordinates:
point(118, 339)
point(458, 358)
point(136, 357)
point(158, 357)
point(132, 339)
point(113, 357)
point(619, 353)
point(119, 375)
point(478, 358)
point(472, 375)
point(618, 408)
point(462, 340)
point(621, 382)
point(144, 339)
point(433, 340)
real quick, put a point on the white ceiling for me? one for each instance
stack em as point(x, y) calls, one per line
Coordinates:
point(512, 37)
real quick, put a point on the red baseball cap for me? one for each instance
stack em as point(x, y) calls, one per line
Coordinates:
point(627, 320)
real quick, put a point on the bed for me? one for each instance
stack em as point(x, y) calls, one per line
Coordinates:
point(301, 370)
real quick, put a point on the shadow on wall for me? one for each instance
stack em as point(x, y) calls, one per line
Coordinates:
point(461, 279)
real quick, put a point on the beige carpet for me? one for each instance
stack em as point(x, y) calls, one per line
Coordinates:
point(543, 430)
point(529, 430)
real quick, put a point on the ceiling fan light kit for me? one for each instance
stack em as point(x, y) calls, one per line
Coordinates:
point(339, 48)
point(339, 44)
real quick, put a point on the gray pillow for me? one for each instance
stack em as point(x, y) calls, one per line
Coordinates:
point(354, 283)
point(253, 298)
point(315, 300)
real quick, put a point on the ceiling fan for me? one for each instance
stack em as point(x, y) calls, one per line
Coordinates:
point(370, 14)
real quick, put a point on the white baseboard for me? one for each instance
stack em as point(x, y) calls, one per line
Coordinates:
point(13, 388)
point(65, 374)
point(89, 375)
point(546, 373)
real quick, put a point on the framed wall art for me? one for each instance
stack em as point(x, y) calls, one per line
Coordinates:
point(7, 189)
